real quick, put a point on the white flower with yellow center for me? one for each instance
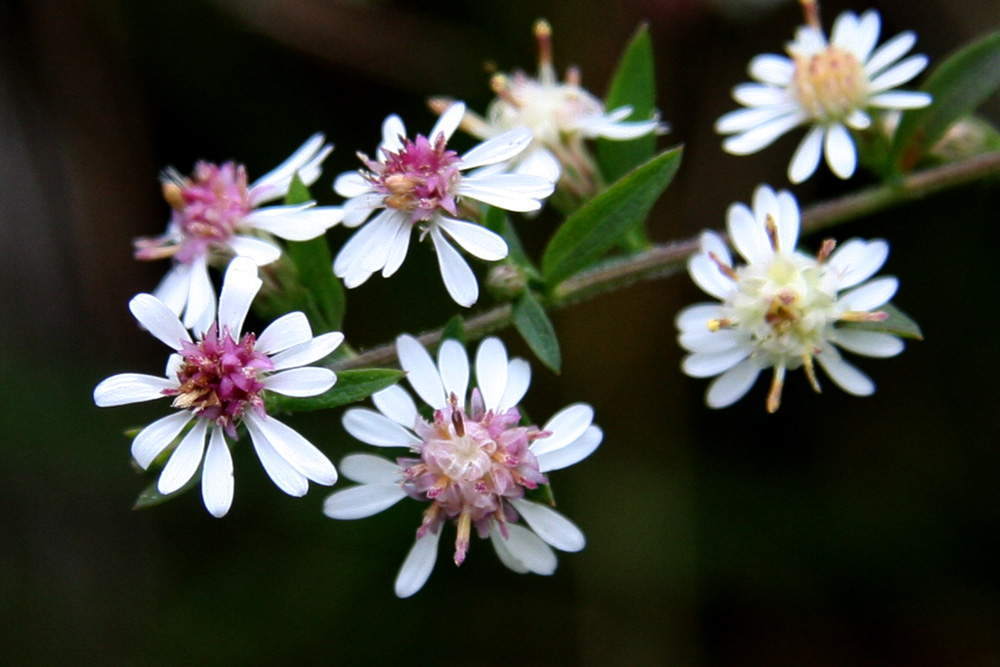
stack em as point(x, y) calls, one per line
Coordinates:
point(782, 309)
point(830, 85)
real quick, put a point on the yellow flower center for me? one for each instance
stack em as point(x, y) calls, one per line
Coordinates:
point(831, 84)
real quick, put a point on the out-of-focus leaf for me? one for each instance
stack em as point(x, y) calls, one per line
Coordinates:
point(535, 327)
point(150, 497)
point(455, 330)
point(604, 220)
point(352, 386)
point(959, 85)
point(898, 324)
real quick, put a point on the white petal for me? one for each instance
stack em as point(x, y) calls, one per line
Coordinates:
point(757, 95)
point(173, 289)
point(396, 248)
point(351, 184)
point(695, 319)
point(789, 221)
point(491, 371)
point(708, 364)
point(748, 236)
point(421, 371)
point(499, 148)
point(308, 352)
point(184, 461)
point(555, 529)
point(901, 99)
point(458, 278)
point(448, 122)
point(856, 261)
point(374, 428)
point(574, 452)
point(858, 120)
point(898, 74)
point(863, 37)
point(566, 426)
point(277, 181)
point(393, 133)
point(762, 136)
point(301, 382)
point(846, 375)
point(126, 388)
point(281, 472)
point(260, 251)
point(217, 475)
point(418, 565)
point(807, 155)
point(370, 469)
point(156, 437)
point(709, 341)
point(239, 288)
point(742, 120)
point(870, 296)
point(156, 318)
point(358, 502)
point(868, 343)
point(840, 152)
point(296, 223)
point(523, 551)
point(539, 162)
point(732, 385)
point(397, 405)
point(294, 448)
point(770, 68)
point(287, 331)
point(711, 242)
point(453, 364)
point(507, 191)
point(890, 52)
point(475, 239)
point(518, 380)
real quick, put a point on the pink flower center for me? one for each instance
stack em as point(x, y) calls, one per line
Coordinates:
point(207, 208)
point(219, 378)
point(469, 463)
point(420, 178)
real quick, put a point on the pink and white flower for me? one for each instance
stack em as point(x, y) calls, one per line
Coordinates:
point(217, 382)
point(420, 183)
point(471, 463)
point(830, 85)
point(217, 216)
point(783, 309)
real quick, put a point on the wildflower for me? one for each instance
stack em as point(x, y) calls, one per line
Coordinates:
point(419, 183)
point(560, 114)
point(216, 215)
point(217, 382)
point(829, 86)
point(782, 309)
point(471, 463)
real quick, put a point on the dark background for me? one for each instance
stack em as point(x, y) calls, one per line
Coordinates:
point(839, 531)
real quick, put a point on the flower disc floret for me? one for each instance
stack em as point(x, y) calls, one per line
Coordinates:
point(783, 309)
point(419, 178)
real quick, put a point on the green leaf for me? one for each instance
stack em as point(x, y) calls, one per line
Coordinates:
point(959, 85)
point(634, 85)
point(150, 497)
point(455, 330)
point(898, 324)
point(352, 386)
point(604, 220)
point(535, 327)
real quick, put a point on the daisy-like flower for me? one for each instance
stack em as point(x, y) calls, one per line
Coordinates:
point(830, 86)
point(560, 114)
point(471, 464)
point(216, 216)
point(419, 183)
point(218, 381)
point(782, 309)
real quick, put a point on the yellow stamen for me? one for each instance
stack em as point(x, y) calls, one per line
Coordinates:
point(725, 268)
point(719, 324)
point(774, 396)
point(810, 8)
point(772, 232)
point(807, 364)
point(860, 316)
point(825, 250)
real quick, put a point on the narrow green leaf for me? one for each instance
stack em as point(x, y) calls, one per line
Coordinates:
point(351, 386)
point(536, 328)
point(898, 324)
point(150, 497)
point(454, 329)
point(603, 221)
point(634, 85)
point(959, 85)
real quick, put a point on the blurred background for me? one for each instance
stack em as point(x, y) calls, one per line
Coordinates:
point(838, 531)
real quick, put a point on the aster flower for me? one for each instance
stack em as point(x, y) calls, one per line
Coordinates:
point(217, 382)
point(560, 114)
point(216, 215)
point(782, 309)
point(419, 183)
point(471, 463)
point(828, 85)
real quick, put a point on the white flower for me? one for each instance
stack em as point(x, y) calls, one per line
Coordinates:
point(560, 114)
point(419, 183)
point(828, 85)
point(217, 216)
point(472, 463)
point(218, 381)
point(782, 308)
